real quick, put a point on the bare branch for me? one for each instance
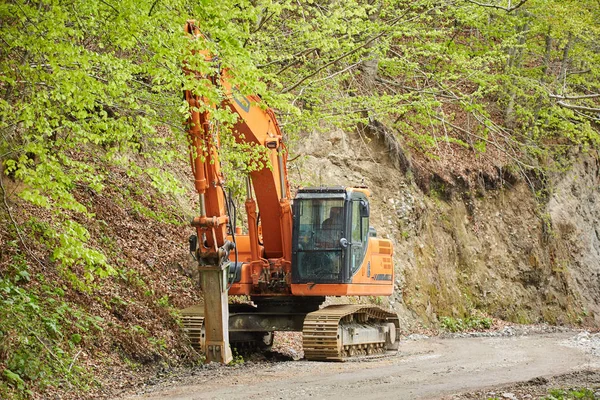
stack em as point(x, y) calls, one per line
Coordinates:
point(293, 57)
point(262, 23)
point(14, 223)
point(585, 96)
point(74, 359)
point(110, 5)
point(496, 145)
point(585, 71)
point(574, 107)
point(152, 8)
point(507, 9)
point(587, 116)
point(418, 90)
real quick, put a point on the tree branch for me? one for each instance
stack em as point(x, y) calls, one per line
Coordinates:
point(74, 359)
point(417, 90)
point(152, 8)
point(110, 5)
point(585, 96)
point(587, 116)
point(262, 23)
point(574, 107)
point(346, 54)
point(15, 225)
point(585, 71)
point(496, 145)
point(292, 57)
point(507, 9)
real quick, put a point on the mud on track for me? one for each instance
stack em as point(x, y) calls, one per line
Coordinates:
point(423, 369)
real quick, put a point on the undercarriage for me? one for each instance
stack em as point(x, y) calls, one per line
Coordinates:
point(332, 333)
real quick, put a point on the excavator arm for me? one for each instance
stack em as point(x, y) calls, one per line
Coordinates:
point(257, 126)
point(211, 246)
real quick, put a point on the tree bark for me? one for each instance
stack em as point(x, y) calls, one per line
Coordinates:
point(564, 66)
point(514, 61)
point(370, 66)
point(547, 54)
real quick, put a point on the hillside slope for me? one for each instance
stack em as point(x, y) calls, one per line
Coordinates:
point(68, 329)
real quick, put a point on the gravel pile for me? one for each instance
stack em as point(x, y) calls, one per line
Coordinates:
point(416, 336)
point(509, 330)
point(589, 342)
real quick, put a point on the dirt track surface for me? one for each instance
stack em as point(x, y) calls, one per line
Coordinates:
point(424, 369)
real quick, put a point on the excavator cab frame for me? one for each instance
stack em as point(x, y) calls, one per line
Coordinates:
point(330, 235)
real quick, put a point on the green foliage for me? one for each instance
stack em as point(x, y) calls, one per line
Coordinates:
point(158, 343)
point(84, 85)
point(238, 359)
point(14, 380)
point(164, 301)
point(67, 242)
point(570, 394)
point(40, 336)
point(378, 300)
point(98, 80)
point(451, 324)
point(456, 73)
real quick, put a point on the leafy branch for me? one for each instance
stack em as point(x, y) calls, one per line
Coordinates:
point(391, 23)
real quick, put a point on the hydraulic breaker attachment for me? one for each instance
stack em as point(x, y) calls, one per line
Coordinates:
point(216, 312)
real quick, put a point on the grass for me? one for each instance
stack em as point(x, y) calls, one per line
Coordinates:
point(41, 336)
point(452, 324)
point(565, 394)
point(570, 394)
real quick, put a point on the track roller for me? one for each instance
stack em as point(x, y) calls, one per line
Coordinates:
point(341, 332)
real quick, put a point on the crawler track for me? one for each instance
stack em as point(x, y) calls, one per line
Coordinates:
point(193, 322)
point(192, 319)
point(323, 341)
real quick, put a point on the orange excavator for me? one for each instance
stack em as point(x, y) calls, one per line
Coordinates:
point(293, 254)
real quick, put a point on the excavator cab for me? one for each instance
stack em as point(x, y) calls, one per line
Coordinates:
point(330, 236)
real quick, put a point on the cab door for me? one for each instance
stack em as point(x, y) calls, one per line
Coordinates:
point(359, 232)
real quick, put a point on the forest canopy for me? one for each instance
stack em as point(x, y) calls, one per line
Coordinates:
point(81, 75)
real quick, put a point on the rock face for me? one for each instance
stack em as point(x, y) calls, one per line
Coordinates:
point(574, 211)
point(461, 248)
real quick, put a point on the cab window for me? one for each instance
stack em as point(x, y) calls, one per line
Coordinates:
point(360, 233)
point(321, 227)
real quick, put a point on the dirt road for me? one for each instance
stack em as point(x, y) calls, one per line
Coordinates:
point(423, 369)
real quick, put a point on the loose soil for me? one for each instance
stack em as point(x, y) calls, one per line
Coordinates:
point(520, 367)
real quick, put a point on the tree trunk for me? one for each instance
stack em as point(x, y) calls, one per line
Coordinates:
point(547, 54)
point(564, 66)
point(514, 61)
point(370, 66)
point(544, 77)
